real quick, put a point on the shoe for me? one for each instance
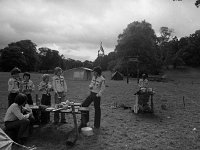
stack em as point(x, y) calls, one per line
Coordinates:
point(96, 130)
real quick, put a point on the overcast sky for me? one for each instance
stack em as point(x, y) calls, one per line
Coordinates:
point(76, 27)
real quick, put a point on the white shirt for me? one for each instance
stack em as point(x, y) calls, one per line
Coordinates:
point(59, 84)
point(13, 85)
point(27, 87)
point(14, 113)
point(97, 85)
point(143, 83)
point(45, 88)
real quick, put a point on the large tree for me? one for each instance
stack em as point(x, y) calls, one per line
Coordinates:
point(191, 45)
point(139, 39)
point(12, 57)
point(29, 50)
point(164, 49)
point(49, 59)
point(197, 3)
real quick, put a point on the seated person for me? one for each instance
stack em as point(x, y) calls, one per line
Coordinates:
point(143, 83)
point(15, 120)
point(143, 96)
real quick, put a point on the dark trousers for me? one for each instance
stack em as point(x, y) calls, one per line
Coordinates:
point(19, 126)
point(11, 98)
point(46, 100)
point(85, 115)
point(29, 100)
point(58, 101)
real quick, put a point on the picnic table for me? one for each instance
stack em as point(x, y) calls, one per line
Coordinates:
point(72, 108)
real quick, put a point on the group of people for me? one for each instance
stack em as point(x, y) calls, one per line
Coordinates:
point(19, 116)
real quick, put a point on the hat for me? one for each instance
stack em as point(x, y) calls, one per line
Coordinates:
point(97, 69)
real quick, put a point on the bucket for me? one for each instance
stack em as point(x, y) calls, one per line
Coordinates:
point(87, 131)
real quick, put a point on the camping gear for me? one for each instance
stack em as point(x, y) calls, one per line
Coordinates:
point(6, 142)
point(117, 76)
point(142, 103)
point(87, 131)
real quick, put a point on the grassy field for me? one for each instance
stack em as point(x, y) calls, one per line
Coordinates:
point(176, 128)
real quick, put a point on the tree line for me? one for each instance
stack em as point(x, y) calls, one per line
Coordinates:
point(27, 57)
point(138, 40)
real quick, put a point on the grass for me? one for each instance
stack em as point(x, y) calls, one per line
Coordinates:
point(170, 129)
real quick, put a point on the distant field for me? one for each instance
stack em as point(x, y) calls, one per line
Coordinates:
point(170, 129)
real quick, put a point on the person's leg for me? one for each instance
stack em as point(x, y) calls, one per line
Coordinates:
point(48, 103)
point(62, 99)
point(21, 125)
point(45, 116)
point(85, 114)
point(29, 100)
point(97, 117)
point(56, 114)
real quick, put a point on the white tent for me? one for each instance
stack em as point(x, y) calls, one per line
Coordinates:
point(6, 142)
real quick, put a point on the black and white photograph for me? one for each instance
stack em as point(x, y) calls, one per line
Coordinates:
point(99, 75)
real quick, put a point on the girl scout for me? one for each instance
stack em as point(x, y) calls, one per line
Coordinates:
point(60, 89)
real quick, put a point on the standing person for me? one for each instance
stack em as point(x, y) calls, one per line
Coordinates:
point(96, 87)
point(14, 85)
point(27, 87)
point(143, 83)
point(45, 88)
point(15, 120)
point(60, 89)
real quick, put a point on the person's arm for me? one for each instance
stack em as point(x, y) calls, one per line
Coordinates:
point(102, 88)
point(91, 85)
point(10, 85)
point(146, 83)
point(16, 111)
point(65, 86)
point(40, 87)
point(32, 86)
point(54, 85)
point(27, 108)
point(140, 83)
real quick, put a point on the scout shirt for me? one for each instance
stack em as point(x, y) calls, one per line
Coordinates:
point(27, 86)
point(13, 85)
point(45, 88)
point(143, 83)
point(14, 113)
point(59, 84)
point(97, 85)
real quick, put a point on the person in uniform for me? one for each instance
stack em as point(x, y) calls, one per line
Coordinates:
point(60, 89)
point(14, 84)
point(96, 87)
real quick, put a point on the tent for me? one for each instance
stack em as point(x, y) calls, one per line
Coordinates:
point(117, 76)
point(6, 142)
point(80, 73)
